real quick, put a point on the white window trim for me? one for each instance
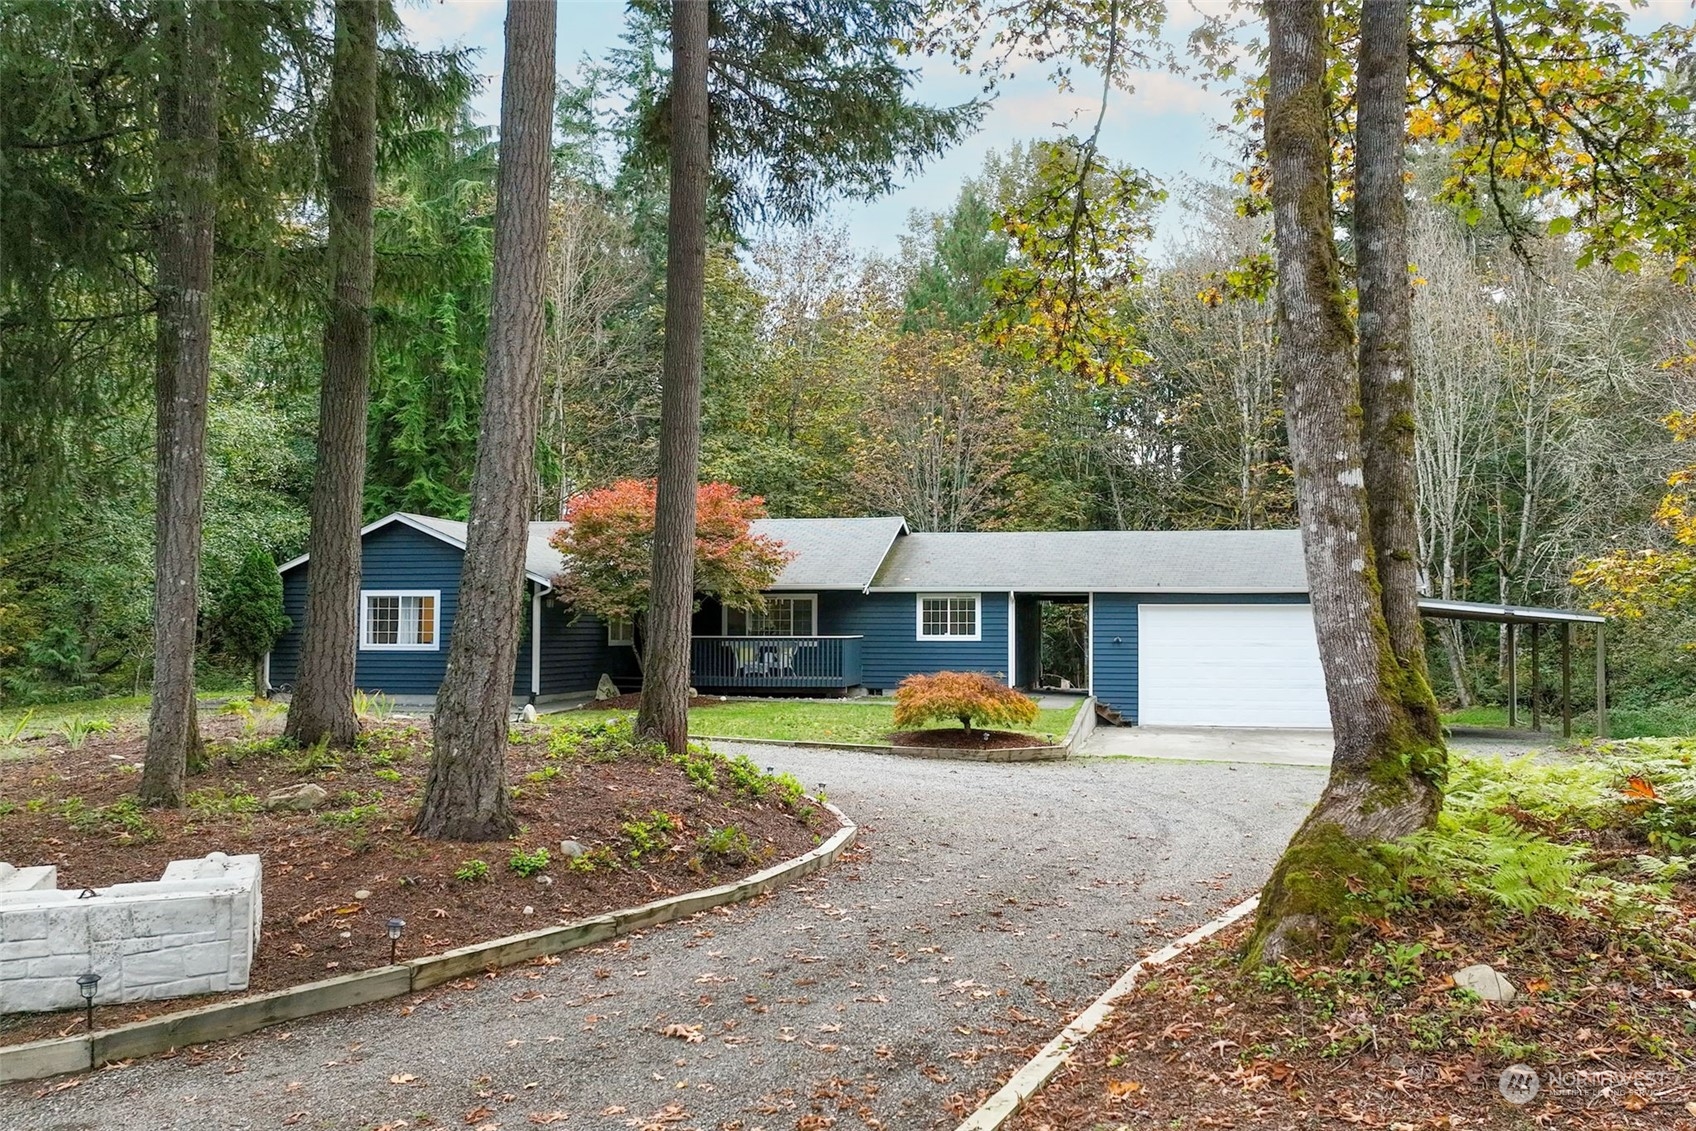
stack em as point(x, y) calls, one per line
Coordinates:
point(812, 600)
point(919, 616)
point(365, 644)
point(628, 639)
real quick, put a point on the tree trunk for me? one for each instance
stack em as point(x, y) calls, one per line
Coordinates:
point(664, 713)
point(185, 192)
point(1386, 348)
point(465, 797)
point(323, 695)
point(1382, 784)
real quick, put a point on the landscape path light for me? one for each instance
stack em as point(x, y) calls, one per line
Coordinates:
point(396, 926)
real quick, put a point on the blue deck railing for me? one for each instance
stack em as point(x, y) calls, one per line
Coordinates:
point(756, 663)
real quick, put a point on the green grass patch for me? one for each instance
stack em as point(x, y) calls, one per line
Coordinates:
point(44, 718)
point(801, 720)
point(1662, 720)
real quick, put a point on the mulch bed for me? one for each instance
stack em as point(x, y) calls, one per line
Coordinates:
point(953, 738)
point(75, 808)
point(1383, 1040)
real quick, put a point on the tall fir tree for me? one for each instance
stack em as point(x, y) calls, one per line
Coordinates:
point(322, 705)
point(465, 796)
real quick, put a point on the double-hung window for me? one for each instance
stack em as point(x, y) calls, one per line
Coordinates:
point(792, 615)
point(949, 616)
point(621, 631)
point(399, 619)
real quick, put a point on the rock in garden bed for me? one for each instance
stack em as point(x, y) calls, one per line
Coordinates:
point(643, 827)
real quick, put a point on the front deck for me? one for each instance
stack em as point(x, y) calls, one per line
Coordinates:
point(775, 663)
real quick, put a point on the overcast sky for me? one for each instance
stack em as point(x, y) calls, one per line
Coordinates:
point(1169, 126)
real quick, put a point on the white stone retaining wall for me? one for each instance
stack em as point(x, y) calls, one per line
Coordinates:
point(192, 931)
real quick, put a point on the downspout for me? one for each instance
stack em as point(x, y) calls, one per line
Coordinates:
point(1012, 649)
point(535, 644)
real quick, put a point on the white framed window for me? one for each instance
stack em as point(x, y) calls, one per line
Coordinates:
point(399, 620)
point(949, 616)
point(621, 631)
point(793, 614)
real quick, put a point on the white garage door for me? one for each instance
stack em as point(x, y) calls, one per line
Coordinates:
point(1229, 666)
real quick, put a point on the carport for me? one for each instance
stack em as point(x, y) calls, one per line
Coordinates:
point(1513, 616)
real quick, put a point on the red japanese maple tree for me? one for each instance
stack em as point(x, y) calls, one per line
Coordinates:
point(608, 537)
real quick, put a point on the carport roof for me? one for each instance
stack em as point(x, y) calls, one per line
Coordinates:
point(1505, 614)
point(1100, 561)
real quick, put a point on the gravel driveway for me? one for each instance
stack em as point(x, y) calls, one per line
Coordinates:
point(982, 907)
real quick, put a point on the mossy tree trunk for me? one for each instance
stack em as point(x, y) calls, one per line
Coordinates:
point(465, 796)
point(1349, 419)
point(322, 705)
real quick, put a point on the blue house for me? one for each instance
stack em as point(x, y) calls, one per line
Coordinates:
point(1178, 628)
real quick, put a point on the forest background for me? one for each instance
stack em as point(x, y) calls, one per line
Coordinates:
point(837, 382)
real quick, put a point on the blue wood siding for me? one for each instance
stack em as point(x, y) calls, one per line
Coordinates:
point(395, 557)
point(575, 653)
point(285, 653)
point(1113, 637)
point(893, 650)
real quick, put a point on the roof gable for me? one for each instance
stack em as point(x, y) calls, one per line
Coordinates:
point(541, 561)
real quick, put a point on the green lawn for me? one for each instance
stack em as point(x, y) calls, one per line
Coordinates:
point(46, 717)
point(800, 720)
point(1668, 720)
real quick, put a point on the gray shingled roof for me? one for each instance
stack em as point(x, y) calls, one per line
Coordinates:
point(846, 553)
point(831, 553)
point(541, 561)
point(1078, 561)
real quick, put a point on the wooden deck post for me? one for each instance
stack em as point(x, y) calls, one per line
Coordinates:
point(1513, 675)
point(1601, 681)
point(1566, 680)
point(1536, 679)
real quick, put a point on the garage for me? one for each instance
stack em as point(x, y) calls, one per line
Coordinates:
point(1240, 665)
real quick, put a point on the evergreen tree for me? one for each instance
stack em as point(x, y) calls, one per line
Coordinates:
point(322, 705)
point(465, 796)
point(250, 617)
point(799, 103)
point(185, 191)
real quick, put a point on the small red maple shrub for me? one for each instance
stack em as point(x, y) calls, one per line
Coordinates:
point(967, 696)
point(608, 543)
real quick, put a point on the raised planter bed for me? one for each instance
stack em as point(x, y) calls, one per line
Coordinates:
point(245, 1015)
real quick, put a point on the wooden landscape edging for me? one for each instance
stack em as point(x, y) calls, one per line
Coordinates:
point(59, 1055)
point(1028, 1080)
point(1080, 729)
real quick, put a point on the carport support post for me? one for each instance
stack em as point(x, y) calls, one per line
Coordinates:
point(1536, 680)
point(1601, 681)
point(1566, 680)
point(1513, 675)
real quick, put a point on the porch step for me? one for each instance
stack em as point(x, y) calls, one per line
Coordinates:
point(1108, 715)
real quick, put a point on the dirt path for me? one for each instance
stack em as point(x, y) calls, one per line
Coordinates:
point(983, 906)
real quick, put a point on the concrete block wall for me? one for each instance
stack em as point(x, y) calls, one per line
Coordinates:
point(192, 931)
